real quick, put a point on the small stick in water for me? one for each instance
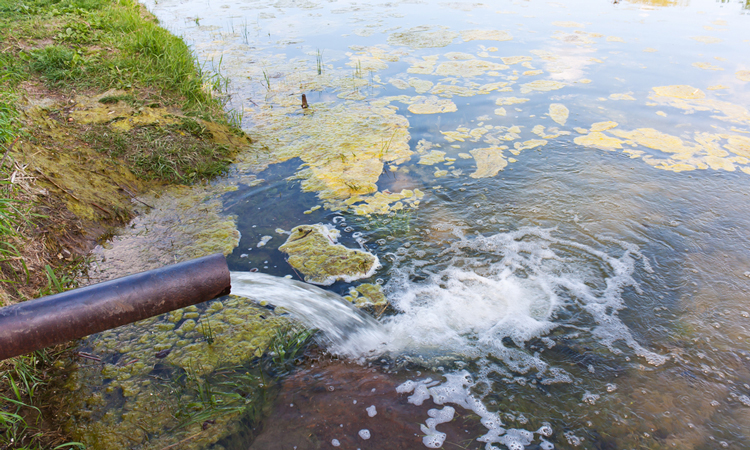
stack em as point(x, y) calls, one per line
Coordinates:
point(304, 101)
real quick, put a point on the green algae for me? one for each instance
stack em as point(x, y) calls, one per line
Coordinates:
point(58, 157)
point(486, 35)
point(367, 294)
point(345, 147)
point(541, 85)
point(717, 151)
point(691, 99)
point(510, 101)
point(468, 69)
point(423, 66)
point(489, 161)
point(470, 90)
point(434, 157)
point(69, 139)
point(386, 203)
point(430, 105)
point(153, 387)
point(559, 113)
point(313, 251)
point(423, 37)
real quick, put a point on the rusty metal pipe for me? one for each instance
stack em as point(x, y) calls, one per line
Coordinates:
point(46, 321)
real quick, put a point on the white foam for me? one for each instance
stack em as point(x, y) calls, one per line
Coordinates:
point(432, 437)
point(545, 430)
point(466, 302)
point(456, 390)
point(516, 439)
point(364, 433)
point(590, 398)
point(371, 410)
point(434, 440)
point(482, 290)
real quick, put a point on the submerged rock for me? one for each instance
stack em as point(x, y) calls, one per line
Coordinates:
point(314, 251)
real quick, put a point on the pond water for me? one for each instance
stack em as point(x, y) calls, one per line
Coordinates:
point(557, 197)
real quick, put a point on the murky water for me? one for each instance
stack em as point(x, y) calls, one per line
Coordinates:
point(556, 192)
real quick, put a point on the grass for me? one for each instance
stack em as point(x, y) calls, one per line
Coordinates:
point(103, 44)
point(19, 417)
point(13, 212)
point(266, 79)
point(207, 332)
point(180, 153)
point(288, 345)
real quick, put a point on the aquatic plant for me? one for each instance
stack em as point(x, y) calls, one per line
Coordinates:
point(319, 61)
point(287, 346)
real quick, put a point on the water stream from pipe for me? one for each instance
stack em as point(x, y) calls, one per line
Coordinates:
point(346, 330)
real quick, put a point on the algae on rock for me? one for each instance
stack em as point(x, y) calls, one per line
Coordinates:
point(314, 251)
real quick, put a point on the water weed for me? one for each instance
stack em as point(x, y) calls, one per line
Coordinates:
point(319, 61)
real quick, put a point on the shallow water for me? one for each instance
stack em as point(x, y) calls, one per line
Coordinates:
point(557, 194)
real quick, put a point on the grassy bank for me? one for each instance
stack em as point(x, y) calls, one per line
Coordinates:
point(97, 102)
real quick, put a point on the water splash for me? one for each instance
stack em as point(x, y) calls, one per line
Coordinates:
point(482, 291)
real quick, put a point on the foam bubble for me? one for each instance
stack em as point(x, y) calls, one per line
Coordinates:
point(516, 439)
point(457, 390)
point(364, 433)
point(371, 410)
point(479, 292)
point(433, 440)
point(573, 440)
point(545, 430)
